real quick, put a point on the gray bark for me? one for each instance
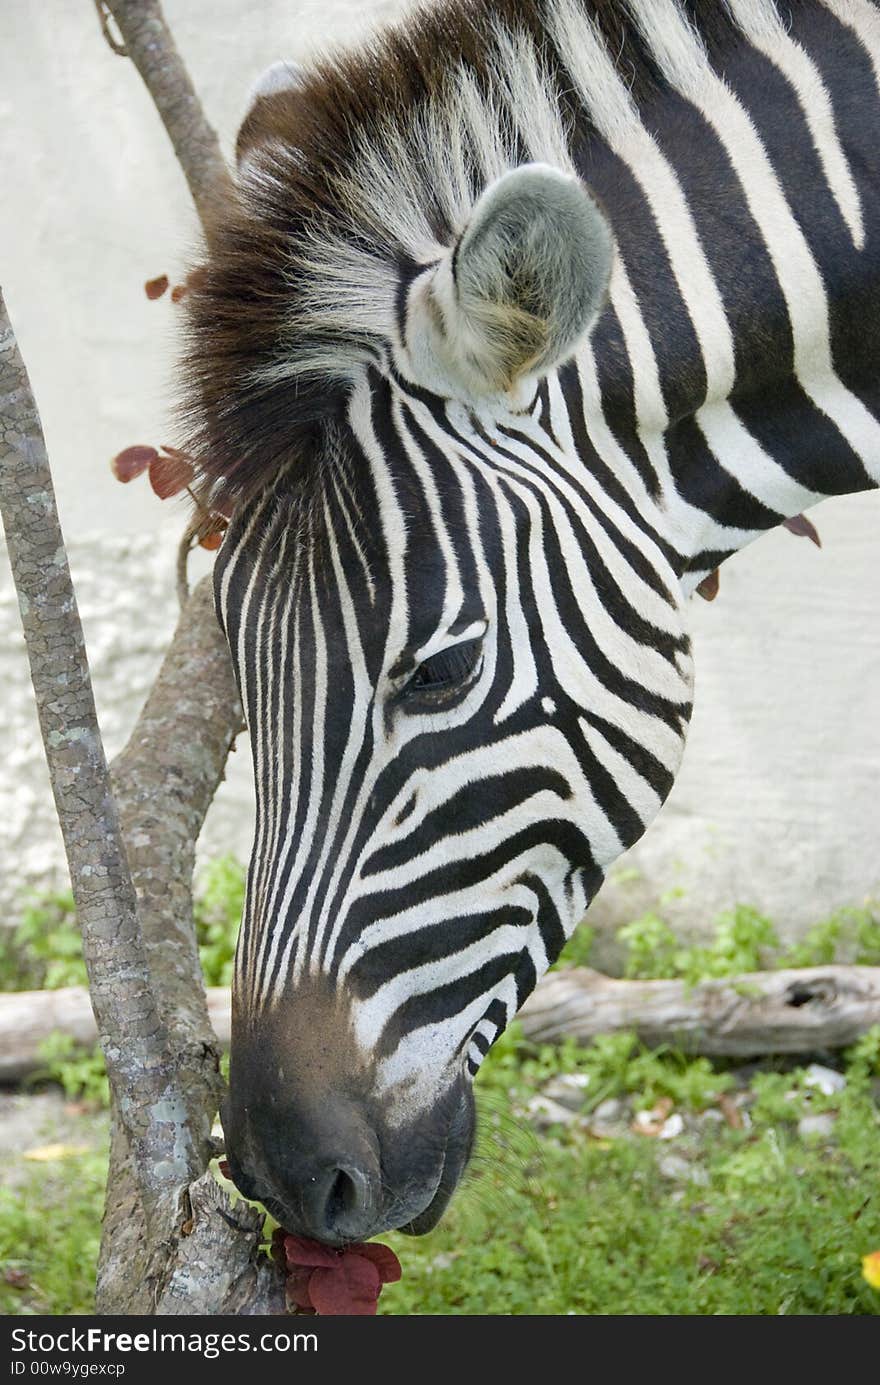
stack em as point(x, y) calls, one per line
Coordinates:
point(150, 46)
point(165, 780)
point(139, 1062)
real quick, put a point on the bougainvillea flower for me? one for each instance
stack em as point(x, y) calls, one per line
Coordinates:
point(132, 462)
point(154, 288)
point(170, 475)
point(871, 1268)
point(341, 1282)
point(213, 537)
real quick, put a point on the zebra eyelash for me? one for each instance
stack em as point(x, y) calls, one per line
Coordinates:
point(445, 674)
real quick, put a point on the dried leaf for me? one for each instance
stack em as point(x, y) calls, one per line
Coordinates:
point(170, 475)
point(803, 527)
point(336, 1282)
point(47, 1154)
point(708, 588)
point(132, 462)
point(154, 288)
point(192, 281)
point(299, 1250)
point(383, 1258)
point(212, 539)
point(730, 1111)
point(871, 1268)
point(351, 1288)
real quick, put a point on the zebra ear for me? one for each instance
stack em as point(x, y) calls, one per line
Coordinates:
point(525, 281)
point(257, 125)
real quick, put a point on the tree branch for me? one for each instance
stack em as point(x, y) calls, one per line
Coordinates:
point(113, 42)
point(139, 1063)
point(165, 779)
point(149, 44)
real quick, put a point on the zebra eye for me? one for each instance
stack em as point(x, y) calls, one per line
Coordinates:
point(447, 670)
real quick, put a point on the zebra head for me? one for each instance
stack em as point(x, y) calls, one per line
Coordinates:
point(460, 652)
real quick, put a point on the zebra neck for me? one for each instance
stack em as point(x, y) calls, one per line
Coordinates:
point(732, 381)
point(713, 481)
point(722, 484)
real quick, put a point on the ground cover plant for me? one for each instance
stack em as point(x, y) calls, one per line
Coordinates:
point(607, 1179)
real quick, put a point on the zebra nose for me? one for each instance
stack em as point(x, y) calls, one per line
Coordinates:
point(338, 1203)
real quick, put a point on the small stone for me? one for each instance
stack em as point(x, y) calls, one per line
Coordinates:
point(568, 1090)
point(671, 1127)
point(611, 1109)
point(544, 1113)
point(674, 1167)
point(827, 1080)
point(821, 1125)
point(660, 1121)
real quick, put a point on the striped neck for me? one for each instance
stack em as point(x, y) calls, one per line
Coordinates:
point(731, 382)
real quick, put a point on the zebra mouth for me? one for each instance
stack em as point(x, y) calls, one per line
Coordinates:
point(459, 1143)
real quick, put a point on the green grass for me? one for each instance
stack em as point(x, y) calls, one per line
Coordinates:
point(565, 1223)
point(43, 950)
point(766, 1222)
point(569, 1224)
point(50, 1228)
point(743, 940)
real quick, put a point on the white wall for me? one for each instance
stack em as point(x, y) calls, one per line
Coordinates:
point(777, 803)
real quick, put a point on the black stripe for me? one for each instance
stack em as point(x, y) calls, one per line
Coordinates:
point(429, 944)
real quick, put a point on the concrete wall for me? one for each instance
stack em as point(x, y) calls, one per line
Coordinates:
point(777, 802)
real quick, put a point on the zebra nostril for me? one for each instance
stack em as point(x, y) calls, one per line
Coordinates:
point(347, 1196)
point(338, 1204)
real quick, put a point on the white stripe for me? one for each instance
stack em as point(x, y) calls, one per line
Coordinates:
point(760, 22)
point(682, 58)
point(617, 118)
point(277, 594)
point(275, 925)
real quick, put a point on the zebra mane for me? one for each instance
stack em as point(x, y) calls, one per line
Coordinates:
point(359, 176)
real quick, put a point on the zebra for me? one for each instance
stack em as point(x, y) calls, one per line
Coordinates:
point(526, 315)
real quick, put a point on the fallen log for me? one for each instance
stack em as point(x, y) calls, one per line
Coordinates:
point(27, 1018)
point(788, 1011)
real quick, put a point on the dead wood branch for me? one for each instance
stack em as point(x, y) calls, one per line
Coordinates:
point(165, 781)
point(792, 1011)
point(787, 1011)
